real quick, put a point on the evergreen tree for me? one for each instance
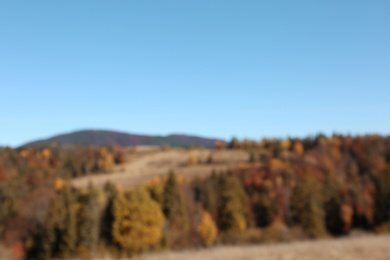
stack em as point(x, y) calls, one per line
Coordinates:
point(45, 238)
point(107, 218)
point(89, 221)
point(231, 205)
point(332, 206)
point(263, 210)
point(7, 203)
point(68, 236)
point(173, 206)
point(206, 192)
point(307, 206)
point(382, 200)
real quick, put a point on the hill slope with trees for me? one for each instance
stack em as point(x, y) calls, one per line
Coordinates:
point(286, 190)
point(105, 137)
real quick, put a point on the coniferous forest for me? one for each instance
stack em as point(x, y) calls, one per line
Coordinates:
point(290, 189)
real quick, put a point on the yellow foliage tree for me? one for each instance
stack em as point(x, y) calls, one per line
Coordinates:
point(207, 229)
point(46, 153)
point(298, 148)
point(59, 184)
point(105, 160)
point(138, 221)
point(276, 164)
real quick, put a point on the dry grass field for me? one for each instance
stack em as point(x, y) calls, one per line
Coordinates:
point(368, 247)
point(148, 162)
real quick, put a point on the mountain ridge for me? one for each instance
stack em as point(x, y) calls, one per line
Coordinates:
point(112, 137)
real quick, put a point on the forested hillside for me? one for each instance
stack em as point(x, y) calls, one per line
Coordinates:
point(287, 190)
point(104, 137)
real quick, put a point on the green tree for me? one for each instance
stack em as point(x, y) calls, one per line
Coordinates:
point(68, 230)
point(382, 200)
point(206, 192)
point(7, 202)
point(332, 206)
point(263, 210)
point(107, 216)
point(89, 221)
point(45, 241)
point(232, 205)
point(52, 239)
point(307, 206)
point(172, 203)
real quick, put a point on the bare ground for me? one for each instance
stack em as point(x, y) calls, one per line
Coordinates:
point(368, 247)
point(145, 164)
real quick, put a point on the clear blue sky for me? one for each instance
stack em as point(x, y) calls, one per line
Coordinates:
point(214, 68)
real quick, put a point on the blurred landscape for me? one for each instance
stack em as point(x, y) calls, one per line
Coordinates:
point(195, 129)
point(69, 197)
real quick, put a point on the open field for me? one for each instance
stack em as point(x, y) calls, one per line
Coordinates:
point(367, 247)
point(148, 162)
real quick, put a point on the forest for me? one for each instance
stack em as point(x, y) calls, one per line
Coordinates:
point(289, 189)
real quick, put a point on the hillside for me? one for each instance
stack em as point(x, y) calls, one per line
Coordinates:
point(141, 166)
point(252, 192)
point(104, 137)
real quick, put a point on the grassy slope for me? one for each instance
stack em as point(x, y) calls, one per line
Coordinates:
point(351, 248)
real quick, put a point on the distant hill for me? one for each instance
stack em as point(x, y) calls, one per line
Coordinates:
point(103, 137)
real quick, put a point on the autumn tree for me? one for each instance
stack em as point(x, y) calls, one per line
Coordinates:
point(105, 160)
point(138, 221)
point(207, 229)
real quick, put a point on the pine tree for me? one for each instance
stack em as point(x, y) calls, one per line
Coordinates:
point(68, 236)
point(382, 200)
point(263, 210)
point(172, 205)
point(206, 192)
point(107, 216)
point(232, 205)
point(332, 206)
point(89, 221)
point(307, 206)
point(45, 238)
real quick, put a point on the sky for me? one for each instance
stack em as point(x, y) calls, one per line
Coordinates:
point(249, 69)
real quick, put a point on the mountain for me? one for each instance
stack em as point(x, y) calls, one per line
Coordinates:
point(104, 137)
